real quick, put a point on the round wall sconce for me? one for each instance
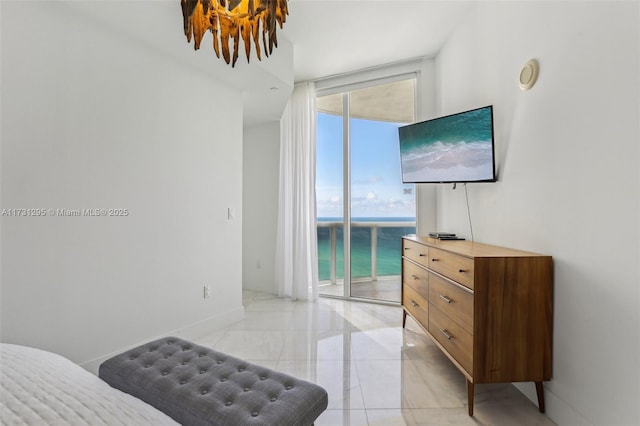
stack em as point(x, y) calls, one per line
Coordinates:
point(529, 74)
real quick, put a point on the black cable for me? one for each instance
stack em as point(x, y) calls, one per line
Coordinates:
point(468, 210)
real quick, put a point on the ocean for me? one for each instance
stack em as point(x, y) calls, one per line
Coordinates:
point(389, 247)
point(455, 148)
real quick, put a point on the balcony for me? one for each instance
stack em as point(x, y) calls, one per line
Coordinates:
point(375, 258)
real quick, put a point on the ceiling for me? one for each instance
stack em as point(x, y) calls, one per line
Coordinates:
point(332, 37)
point(392, 102)
point(320, 37)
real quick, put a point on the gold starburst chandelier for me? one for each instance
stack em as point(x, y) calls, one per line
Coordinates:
point(230, 19)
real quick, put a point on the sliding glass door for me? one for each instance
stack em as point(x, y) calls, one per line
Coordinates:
point(363, 207)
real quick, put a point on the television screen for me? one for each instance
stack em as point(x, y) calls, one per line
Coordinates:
point(453, 148)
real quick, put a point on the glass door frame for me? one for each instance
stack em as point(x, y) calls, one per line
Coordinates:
point(346, 192)
point(346, 167)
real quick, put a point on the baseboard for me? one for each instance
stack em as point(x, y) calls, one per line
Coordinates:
point(555, 408)
point(189, 332)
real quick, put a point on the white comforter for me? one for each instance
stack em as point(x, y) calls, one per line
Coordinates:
point(42, 388)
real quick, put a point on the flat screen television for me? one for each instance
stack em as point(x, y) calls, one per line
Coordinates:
point(455, 148)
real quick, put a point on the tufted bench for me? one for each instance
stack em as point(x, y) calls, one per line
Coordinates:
point(196, 385)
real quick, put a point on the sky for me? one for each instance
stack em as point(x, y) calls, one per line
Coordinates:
point(376, 179)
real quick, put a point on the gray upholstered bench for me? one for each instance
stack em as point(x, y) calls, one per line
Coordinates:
point(196, 385)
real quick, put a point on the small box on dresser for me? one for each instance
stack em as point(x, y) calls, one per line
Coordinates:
point(488, 308)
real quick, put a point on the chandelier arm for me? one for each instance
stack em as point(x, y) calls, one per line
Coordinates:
point(215, 20)
point(246, 36)
point(235, 33)
point(200, 25)
point(264, 37)
point(281, 12)
point(256, 36)
point(225, 30)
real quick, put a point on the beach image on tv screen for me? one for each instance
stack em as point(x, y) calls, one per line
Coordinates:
point(456, 148)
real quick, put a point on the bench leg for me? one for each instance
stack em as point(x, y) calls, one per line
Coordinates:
point(470, 397)
point(404, 318)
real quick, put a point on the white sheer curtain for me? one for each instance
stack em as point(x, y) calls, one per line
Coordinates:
point(296, 271)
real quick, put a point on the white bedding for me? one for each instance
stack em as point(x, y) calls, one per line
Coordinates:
point(43, 388)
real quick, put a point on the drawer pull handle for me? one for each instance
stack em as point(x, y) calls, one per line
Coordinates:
point(445, 298)
point(415, 305)
point(407, 248)
point(422, 255)
point(434, 259)
point(462, 270)
point(415, 277)
point(446, 334)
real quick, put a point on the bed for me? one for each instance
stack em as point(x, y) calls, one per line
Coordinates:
point(39, 387)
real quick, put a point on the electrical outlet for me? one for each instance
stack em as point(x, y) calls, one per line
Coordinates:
point(207, 292)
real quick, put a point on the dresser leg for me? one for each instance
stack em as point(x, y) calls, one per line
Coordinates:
point(470, 396)
point(404, 318)
point(540, 392)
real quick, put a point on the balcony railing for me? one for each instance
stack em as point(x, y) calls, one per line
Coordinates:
point(375, 252)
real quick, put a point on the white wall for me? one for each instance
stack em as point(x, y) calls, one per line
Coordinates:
point(261, 159)
point(568, 181)
point(93, 119)
point(426, 212)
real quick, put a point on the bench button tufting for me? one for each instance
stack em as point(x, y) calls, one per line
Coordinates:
point(182, 382)
point(228, 403)
point(164, 373)
point(254, 414)
point(247, 389)
point(147, 366)
point(263, 378)
point(200, 355)
point(288, 387)
point(203, 392)
point(240, 370)
point(219, 361)
point(224, 379)
point(203, 371)
point(184, 362)
point(273, 399)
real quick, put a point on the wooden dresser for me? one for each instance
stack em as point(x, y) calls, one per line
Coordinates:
point(488, 308)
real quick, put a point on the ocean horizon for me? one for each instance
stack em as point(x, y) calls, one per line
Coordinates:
point(368, 219)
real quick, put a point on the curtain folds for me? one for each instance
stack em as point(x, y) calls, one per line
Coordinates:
point(296, 272)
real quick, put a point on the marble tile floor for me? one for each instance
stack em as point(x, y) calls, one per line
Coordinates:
point(375, 372)
point(388, 290)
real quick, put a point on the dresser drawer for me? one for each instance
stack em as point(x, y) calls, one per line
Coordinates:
point(416, 278)
point(416, 305)
point(456, 340)
point(452, 300)
point(416, 252)
point(458, 268)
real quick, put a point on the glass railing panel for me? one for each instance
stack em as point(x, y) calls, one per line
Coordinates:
point(389, 249)
point(324, 253)
point(330, 257)
point(360, 252)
